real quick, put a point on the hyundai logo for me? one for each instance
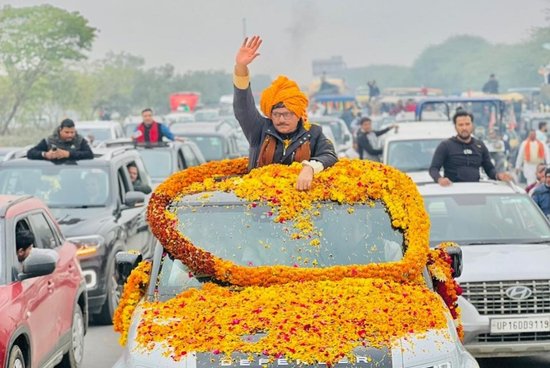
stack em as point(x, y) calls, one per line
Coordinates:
point(518, 292)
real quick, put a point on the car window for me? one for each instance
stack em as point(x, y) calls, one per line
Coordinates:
point(212, 147)
point(182, 163)
point(190, 157)
point(44, 236)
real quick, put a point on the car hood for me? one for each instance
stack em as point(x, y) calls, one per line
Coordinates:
point(81, 221)
point(420, 177)
point(505, 262)
point(434, 346)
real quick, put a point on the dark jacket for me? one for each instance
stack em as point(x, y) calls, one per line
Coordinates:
point(541, 196)
point(364, 145)
point(491, 86)
point(256, 128)
point(461, 161)
point(78, 147)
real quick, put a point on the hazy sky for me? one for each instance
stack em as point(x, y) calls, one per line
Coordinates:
point(204, 34)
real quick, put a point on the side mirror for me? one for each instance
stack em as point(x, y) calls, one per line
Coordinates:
point(41, 262)
point(126, 262)
point(456, 260)
point(135, 199)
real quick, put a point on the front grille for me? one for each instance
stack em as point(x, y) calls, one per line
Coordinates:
point(490, 297)
point(518, 337)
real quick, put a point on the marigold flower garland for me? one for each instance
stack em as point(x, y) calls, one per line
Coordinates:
point(134, 289)
point(296, 308)
point(440, 268)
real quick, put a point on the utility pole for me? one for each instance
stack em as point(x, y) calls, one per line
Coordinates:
point(244, 28)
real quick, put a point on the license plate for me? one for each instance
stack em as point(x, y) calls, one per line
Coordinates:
point(518, 325)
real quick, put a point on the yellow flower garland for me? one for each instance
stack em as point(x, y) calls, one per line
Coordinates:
point(215, 319)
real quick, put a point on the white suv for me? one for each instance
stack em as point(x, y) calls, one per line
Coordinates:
point(505, 241)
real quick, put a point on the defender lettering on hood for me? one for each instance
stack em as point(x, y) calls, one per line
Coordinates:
point(364, 358)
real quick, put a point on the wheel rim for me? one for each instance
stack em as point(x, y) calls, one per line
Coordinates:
point(116, 292)
point(18, 363)
point(78, 337)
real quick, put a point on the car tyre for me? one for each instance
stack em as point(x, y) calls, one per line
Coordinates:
point(74, 357)
point(114, 292)
point(17, 359)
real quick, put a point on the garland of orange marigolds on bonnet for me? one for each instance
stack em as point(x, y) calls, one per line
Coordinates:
point(307, 314)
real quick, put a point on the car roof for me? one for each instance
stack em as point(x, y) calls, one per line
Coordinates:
point(96, 124)
point(421, 129)
point(210, 128)
point(8, 201)
point(102, 157)
point(482, 187)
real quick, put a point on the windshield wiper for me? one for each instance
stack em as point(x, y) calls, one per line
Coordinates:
point(481, 243)
point(545, 241)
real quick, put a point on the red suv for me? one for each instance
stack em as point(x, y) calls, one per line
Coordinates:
point(43, 300)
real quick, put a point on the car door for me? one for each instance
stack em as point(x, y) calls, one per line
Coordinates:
point(64, 279)
point(38, 306)
point(133, 220)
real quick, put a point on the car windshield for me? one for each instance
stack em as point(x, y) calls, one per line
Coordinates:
point(412, 155)
point(158, 162)
point(211, 147)
point(174, 277)
point(336, 130)
point(485, 218)
point(249, 236)
point(60, 186)
point(99, 134)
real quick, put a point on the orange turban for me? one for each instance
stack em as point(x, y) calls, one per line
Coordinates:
point(286, 91)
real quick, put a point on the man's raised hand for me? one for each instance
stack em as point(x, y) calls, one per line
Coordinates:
point(248, 51)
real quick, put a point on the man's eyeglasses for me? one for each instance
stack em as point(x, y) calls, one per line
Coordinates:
point(278, 115)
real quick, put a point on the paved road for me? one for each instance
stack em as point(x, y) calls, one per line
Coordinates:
point(102, 351)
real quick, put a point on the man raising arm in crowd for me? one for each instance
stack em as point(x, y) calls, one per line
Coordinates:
point(284, 136)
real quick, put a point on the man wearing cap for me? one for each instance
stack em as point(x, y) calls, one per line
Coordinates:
point(284, 136)
point(541, 195)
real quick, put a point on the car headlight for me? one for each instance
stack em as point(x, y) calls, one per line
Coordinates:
point(87, 245)
point(437, 365)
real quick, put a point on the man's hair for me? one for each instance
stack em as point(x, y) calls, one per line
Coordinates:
point(131, 165)
point(23, 239)
point(365, 119)
point(67, 123)
point(542, 124)
point(147, 110)
point(492, 75)
point(460, 113)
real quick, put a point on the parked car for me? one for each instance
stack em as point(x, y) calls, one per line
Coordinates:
point(411, 148)
point(43, 300)
point(99, 131)
point(97, 208)
point(239, 236)
point(343, 140)
point(505, 240)
point(216, 141)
